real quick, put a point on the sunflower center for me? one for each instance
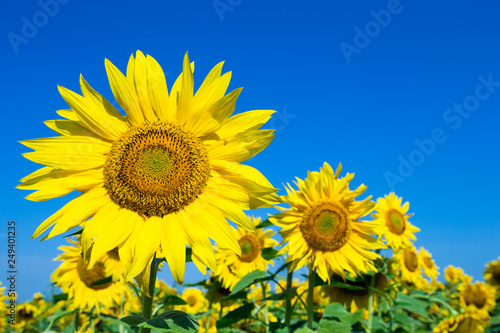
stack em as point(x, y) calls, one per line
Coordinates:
point(411, 260)
point(428, 262)
point(89, 276)
point(250, 248)
point(480, 299)
point(156, 169)
point(395, 221)
point(326, 226)
point(496, 275)
point(191, 300)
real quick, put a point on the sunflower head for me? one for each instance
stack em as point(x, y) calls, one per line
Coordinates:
point(195, 300)
point(455, 275)
point(323, 225)
point(408, 264)
point(467, 322)
point(157, 174)
point(428, 265)
point(87, 287)
point(492, 274)
point(391, 217)
point(232, 267)
point(478, 296)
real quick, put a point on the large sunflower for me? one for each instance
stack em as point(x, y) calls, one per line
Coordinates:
point(492, 274)
point(86, 287)
point(322, 225)
point(232, 267)
point(391, 217)
point(165, 175)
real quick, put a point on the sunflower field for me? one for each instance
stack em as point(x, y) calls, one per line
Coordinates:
point(162, 183)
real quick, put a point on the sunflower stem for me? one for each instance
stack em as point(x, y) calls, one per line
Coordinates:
point(370, 305)
point(147, 301)
point(310, 298)
point(266, 312)
point(288, 303)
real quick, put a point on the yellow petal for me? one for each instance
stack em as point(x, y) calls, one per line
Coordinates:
point(173, 244)
point(141, 86)
point(157, 89)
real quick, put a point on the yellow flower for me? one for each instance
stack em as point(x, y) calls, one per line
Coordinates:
point(79, 281)
point(232, 267)
point(164, 174)
point(468, 322)
point(492, 274)
point(430, 268)
point(455, 275)
point(478, 295)
point(392, 221)
point(25, 316)
point(407, 262)
point(322, 226)
point(196, 302)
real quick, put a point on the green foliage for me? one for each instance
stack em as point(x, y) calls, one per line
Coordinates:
point(172, 321)
point(236, 315)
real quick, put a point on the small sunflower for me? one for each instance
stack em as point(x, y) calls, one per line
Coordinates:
point(79, 281)
point(392, 221)
point(492, 274)
point(160, 176)
point(322, 227)
point(196, 302)
point(468, 322)
point(407, 262)
point(478, 295)
point(231, 267)
point(455, 275)
point(25, 316)
point(3, 308)
point(430, 268)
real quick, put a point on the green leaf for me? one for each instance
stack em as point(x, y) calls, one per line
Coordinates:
point(345, 285)
point(263, 224)
point(113, 321)
point(172, 321)
point(189, 253)
point(133, 320)
point(336, 319)
point(238, 295)
point(199, 283)
point(287, 294)
point(284, 266)
point(69, 329)
point(60, 297)
point(249, 279)
point(235, 316)
point(412, 305)
point(269, 253)
point(109, 279)
point(174, 300)
point(58, 315)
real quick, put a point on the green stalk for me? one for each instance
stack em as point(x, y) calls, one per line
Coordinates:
point(147, 301)
point(370, 304)
point(310, 298)
point(288, 303)
point(266, 312)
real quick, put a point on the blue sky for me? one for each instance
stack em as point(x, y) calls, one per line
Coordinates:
point(406, 94)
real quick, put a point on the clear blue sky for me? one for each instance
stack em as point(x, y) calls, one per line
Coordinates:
point(405, 94)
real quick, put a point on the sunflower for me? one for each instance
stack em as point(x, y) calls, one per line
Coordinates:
point(392, 221)
point(4, 310)
point(430, 268)
point(26, 314)
point(359, 294)
point(165, 175)
point(86, 287)
point(478, 296)
point(322, 225)
point(231, 267)
point(407, 262)
point(195, 300)
point(492, 274)
point(454, 275)
point(467, 322)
